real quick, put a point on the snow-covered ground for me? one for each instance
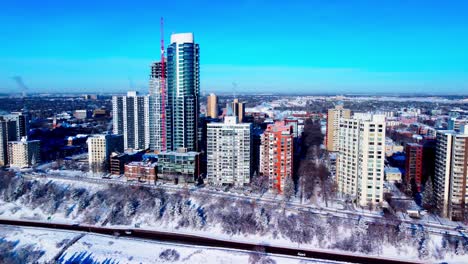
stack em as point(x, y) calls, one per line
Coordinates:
point(274, 225)
point(45, 240)
point(101, 248)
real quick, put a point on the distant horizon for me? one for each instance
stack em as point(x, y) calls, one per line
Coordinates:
point(224, 93)
point(302, 47)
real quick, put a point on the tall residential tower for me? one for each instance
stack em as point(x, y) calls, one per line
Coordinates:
point(212, 106)
point(333, 123)
point(183, 88)
point(155, 107)
point(360, 165)
point(276, 154)
point(229, 150)
point(451, 173)
point(131, 119)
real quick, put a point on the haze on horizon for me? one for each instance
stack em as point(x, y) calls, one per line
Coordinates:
point(301, 47)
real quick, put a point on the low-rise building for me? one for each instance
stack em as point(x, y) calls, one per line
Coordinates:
point(141, 171)
point(80, 114)
point(392, 174)
point(117, 163)
point(179, 166)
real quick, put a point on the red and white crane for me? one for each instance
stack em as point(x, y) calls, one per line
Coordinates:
point(163, 91)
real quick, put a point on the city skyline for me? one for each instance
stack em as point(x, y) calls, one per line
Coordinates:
point(346, 47)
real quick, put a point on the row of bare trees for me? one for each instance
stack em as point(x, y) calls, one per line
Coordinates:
point(124, 205)
point(314, 178)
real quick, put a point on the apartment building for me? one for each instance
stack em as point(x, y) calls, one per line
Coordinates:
point(361, 156)
point(131, 119)
point(183, 89)
point(100, 148)
point(414, 166)
point(333, 124)
point(276, 154)
point(451, 173)
point(229, 149)
point(24, 153)
point(212, 106)
point(145, 172)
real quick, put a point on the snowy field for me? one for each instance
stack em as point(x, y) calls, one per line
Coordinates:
point(94, 249)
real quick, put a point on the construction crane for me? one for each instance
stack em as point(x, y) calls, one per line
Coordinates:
point(163, 91)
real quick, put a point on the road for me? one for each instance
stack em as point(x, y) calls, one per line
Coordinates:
point(208, 242)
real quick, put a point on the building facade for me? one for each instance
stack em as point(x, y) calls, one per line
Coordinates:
point(131, 119)
point(414, 166)
point(237, 109)
point(276, 154)
point(145, 172)
point(24, 153)
point(156, 115)
point(451, 173)
point(455, 123)
point(8, 132)
point(183, 88)
point(361, 156)
point(333, 124)
point(100, 148)
point(180, 166)
point(229, 148)
point(22, 124)
point(212, 106)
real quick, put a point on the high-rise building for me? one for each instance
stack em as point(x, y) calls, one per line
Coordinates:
point(451, 173)
point(414, 166)
point(361, 156)
point(294, 123)
point(333, 124)
point(183, 88)
point(237, 109)
point(117, 115)
point(131, 119)
point(229, 151)
point(22, 124)
point(8, 132)
point(24, 153)
point(455, 123)
point(155, 107)
point(276, 154)
point(212, 106)
point(100, 148)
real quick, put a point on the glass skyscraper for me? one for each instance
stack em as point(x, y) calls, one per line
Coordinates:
point(183, 88)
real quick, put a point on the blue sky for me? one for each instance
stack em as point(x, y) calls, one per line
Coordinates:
point(312, 46)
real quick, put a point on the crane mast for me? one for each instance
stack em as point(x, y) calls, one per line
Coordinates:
point(163, 91)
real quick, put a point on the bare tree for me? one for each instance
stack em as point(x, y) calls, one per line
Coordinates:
point(289, 190)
